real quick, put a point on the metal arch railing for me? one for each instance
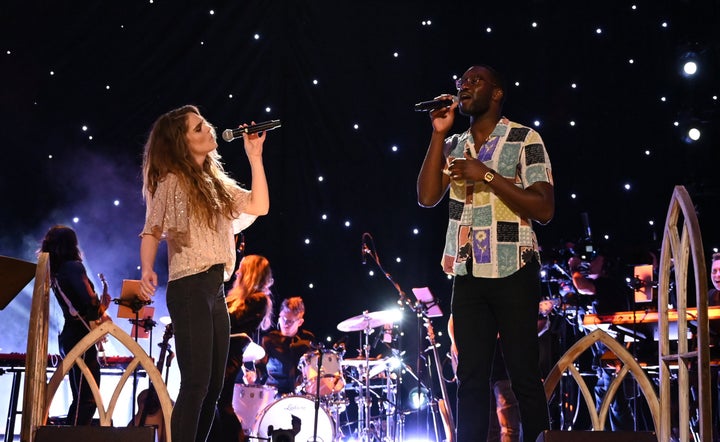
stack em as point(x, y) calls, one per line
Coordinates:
point(38, 393)
point(567, 362)
point(680, 241)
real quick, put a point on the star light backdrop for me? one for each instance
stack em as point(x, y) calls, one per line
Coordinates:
point(604, 85)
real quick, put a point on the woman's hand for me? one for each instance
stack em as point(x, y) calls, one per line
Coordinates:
point(148, 284)
point(253, 142)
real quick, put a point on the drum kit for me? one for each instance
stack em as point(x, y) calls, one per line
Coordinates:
point(315, 411)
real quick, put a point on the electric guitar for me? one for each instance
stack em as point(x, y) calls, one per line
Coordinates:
point(443, 406)
point(149, 412)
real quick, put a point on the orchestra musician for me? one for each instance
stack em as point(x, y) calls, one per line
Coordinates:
point(283, 349)
point(714, 293)
point(82, 311)
point(602, 281)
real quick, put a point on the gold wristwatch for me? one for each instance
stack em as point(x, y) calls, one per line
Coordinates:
point(489, 176)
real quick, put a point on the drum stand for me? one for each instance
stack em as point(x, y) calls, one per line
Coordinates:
point(317, 391)
point(334, 410)
point(391, 392)
point(364, 402)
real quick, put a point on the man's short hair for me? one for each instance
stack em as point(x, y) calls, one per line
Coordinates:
point(294, 305)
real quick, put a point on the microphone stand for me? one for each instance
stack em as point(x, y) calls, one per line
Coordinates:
point(317, 390)
point(403, 301)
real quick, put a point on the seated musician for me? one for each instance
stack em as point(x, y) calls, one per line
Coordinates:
point(604, 283)
point(283, 349)
point(250, 307)
point(714, 293)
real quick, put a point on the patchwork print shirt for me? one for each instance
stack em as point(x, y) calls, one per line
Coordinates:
point(481, 225)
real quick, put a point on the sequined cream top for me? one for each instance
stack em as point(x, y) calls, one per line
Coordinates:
point(193, 247)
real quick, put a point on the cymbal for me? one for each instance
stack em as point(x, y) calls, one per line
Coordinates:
point(253, 352)
point(368, 320)
point(362, 362)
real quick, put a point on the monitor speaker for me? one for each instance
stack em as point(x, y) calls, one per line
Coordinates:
point(596, 436)
point(56, 433)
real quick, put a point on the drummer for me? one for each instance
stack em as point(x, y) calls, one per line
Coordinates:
point(250, 306)
point(283, 349)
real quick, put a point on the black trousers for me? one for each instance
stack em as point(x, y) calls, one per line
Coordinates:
point(201, 324)
point(482, 308)
point(83, 406)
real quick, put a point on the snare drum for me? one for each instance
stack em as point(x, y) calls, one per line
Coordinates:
point(280, 414)
point(249, 400)
point(331, 377)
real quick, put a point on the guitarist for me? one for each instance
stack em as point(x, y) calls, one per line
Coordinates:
point(82, 311)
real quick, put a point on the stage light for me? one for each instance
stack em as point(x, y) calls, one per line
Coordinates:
point(418, 401)
point(690, 68)
point(694, 134)
point(395, 315)
point(689, 63)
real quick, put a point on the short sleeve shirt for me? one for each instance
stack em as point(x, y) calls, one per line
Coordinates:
point(481, 227)
point(193, 247)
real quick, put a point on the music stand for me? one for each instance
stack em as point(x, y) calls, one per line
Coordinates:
point(432, 309)
point(130, 306)
point(644, 276)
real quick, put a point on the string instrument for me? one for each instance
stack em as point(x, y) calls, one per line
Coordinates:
point(445, 411)
point(105, 298)
point(104, 302)
point(149, 412)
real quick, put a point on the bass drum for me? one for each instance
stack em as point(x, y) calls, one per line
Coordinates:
point(280, 414)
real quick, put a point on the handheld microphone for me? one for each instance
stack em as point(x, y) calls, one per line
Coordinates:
point(363, 251)
point(433, 104)
point(231, 134)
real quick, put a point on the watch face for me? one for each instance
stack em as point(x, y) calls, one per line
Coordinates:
point(489, 176)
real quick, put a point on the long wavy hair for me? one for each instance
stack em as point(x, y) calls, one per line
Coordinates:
point(61, 244)
point(253, 282)
point(167, 151)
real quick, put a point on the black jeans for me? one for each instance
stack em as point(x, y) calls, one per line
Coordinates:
point(227, 426)
point(201, 324)
point(481, 308)
point(83, 406)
